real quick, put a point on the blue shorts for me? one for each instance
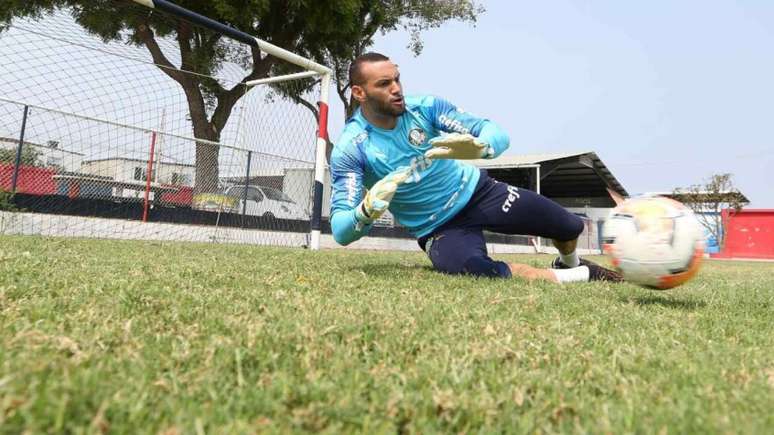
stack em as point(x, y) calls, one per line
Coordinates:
point(458, 246)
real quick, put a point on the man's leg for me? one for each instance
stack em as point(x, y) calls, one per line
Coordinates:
point(532, 273)
point(568, 260)
point(463, 251)
point(568, 253)
point(506, 209)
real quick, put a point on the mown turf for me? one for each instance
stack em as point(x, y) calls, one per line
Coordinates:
point(143, 337)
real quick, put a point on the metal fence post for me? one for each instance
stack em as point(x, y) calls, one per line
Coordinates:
point(247, 184)
point(19, 150)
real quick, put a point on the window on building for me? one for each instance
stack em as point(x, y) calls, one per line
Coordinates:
point(141, 174)
point(180, 179)
point(54, 162)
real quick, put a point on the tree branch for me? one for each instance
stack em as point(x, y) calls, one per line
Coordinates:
point(228, 98)
point(146, 36)
point(302, 101)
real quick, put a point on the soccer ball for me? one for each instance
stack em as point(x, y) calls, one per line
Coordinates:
point(654, 241)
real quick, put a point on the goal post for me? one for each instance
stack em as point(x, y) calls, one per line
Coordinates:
point(123, 130)
point(313, 69)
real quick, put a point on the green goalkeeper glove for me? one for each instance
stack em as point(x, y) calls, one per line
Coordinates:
point(377, 200)
point(459, 146)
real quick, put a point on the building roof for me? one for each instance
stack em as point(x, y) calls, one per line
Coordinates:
point(562, 175)
point(524, 159)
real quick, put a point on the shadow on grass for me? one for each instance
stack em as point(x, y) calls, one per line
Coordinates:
point(664, 302)
point(391, 270)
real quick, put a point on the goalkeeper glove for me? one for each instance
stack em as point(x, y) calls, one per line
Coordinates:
point(459, 146)
point(378, 198)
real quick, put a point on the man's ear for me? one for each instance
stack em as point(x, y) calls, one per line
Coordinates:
point(358, 93)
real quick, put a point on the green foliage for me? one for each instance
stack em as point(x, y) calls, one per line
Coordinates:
point(29, 156)
point(363, 20)
point(6, 201)
point(148, 337)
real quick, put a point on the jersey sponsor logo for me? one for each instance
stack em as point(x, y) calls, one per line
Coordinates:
point(417, 136)
point(513, 195)
point(453, 124)
point(351, 186)
point(417, 165)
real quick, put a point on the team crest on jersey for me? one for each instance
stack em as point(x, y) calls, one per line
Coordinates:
point(417, 136)
point(360, 138)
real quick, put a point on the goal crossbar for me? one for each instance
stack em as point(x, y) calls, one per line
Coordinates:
point(285, 78)
point(239, 35)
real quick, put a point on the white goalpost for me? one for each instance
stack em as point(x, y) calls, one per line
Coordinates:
point(313, 69)
point(121, 139)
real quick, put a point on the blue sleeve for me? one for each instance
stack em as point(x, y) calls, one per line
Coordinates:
point(447, 117)
point(347, 174)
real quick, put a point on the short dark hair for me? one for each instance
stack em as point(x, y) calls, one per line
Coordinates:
point(355, 69)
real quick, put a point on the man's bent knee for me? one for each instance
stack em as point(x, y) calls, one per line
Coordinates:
point(571, 228)
point(476, 266)
point(485, 266)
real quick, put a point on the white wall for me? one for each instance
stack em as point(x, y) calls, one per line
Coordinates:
point(123, 170)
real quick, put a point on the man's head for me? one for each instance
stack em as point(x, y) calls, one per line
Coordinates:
point(375, 84)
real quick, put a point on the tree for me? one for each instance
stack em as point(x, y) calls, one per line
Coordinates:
point(382, 16)
point(707, 201)
point(29, 156)
point(329, 31)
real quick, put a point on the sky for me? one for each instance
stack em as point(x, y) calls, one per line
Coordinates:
point(666, 92)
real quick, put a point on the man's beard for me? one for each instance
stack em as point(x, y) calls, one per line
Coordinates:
point(384, 108)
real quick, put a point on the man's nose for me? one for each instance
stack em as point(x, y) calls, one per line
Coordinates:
point(395, 88)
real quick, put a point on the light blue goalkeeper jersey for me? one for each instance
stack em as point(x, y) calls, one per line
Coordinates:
point(437, 189)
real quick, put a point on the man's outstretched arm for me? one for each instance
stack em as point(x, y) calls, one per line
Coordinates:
point(347, 173)
point(350, 225)
point(352, 213)
point(469, 137)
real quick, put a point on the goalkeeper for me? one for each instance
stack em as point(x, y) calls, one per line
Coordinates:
point(410, 153)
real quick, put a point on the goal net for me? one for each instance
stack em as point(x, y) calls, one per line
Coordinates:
point(167, 126)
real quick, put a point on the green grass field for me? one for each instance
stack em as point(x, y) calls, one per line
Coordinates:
point(142, 337)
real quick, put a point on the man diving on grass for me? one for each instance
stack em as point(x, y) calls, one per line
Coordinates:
point(410, 153)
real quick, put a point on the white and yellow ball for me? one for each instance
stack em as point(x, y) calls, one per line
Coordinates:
point(654, 241)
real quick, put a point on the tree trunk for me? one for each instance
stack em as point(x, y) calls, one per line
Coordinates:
point(207, 166)
point(207, 170)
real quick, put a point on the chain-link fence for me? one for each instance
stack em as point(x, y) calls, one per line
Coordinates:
point(136, 135)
